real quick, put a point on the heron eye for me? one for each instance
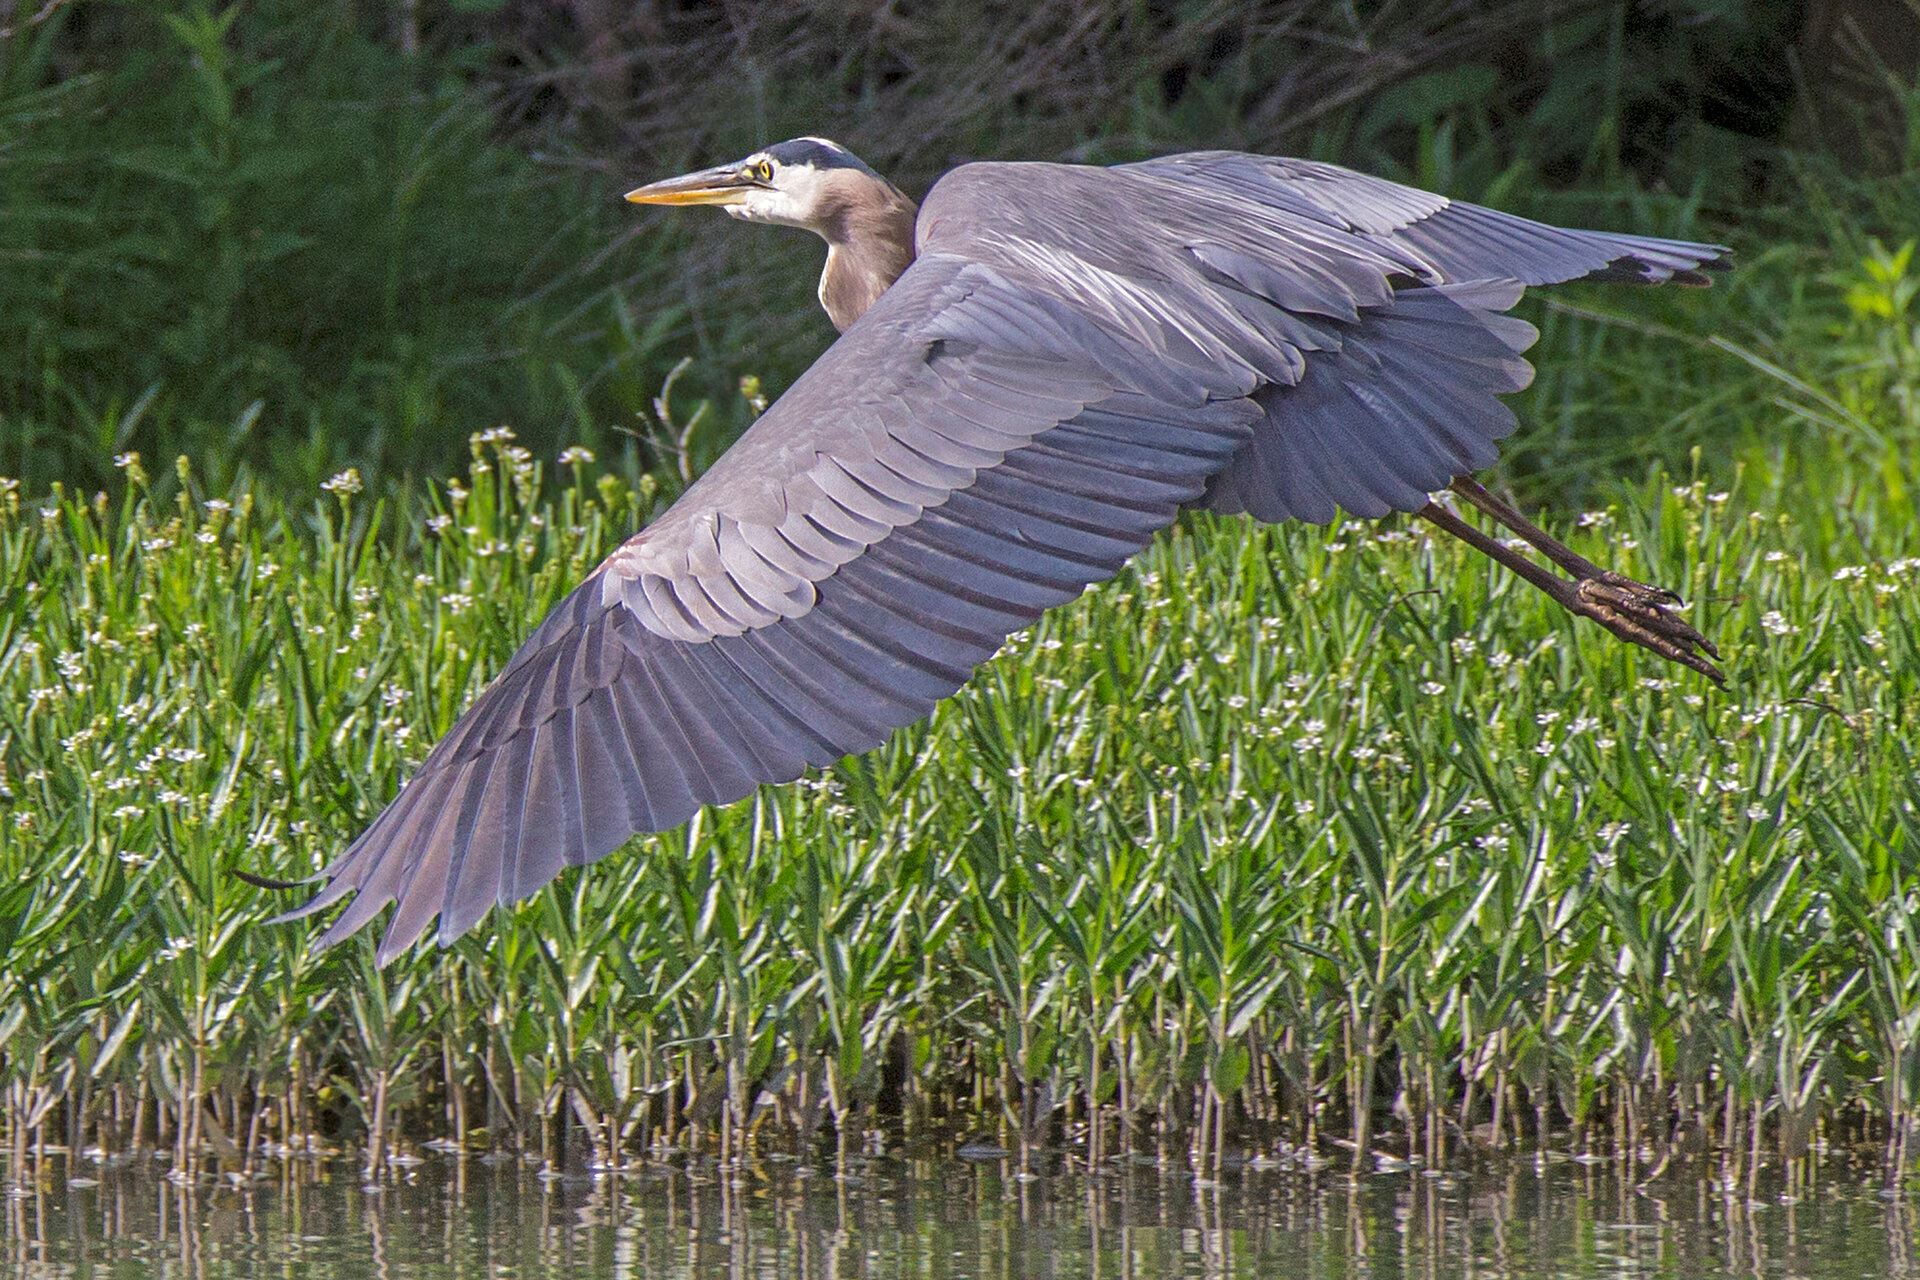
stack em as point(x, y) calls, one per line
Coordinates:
point(764, 171)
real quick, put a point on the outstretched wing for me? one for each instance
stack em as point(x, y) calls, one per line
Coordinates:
point(1073, 356)
point(1401, 404)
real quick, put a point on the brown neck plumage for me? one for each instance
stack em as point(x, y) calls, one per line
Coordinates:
point(868, 227)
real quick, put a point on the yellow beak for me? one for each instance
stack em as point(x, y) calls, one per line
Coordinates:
point(724, 185)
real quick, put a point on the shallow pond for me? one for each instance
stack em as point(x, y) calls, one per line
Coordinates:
point(942, 1219)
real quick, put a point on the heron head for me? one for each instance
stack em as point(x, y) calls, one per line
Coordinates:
point(807, 182)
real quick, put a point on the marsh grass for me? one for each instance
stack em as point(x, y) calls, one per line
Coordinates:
point(1286, 837)
point(1335, 844)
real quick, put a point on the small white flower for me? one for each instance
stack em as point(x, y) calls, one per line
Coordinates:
point(1849, 572)
point(457, 602)
point(125, 460)
point(1758, 813)
point(347, 481)
point(1776, 557)
point(573, 454)
point(1775, 623)
point(1432, 688)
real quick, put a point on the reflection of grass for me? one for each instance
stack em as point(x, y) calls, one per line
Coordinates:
point(1279, 826)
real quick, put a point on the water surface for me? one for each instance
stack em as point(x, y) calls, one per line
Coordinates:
point(941, 1219)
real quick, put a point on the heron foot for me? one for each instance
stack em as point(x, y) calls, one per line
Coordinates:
point(1635, 611)
point(1641, 614)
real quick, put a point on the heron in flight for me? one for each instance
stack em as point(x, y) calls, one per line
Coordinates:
point(1039, 368)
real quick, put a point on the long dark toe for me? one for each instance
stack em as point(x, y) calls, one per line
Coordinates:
point(1642, 590)
point(1636, 613)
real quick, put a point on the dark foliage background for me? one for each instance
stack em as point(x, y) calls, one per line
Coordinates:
point(284, 236)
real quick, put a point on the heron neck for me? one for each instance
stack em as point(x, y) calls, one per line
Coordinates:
point(868, 246)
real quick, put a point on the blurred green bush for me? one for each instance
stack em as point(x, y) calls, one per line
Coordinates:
point(285, 237)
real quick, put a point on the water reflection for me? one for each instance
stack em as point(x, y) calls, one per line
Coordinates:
point(939, 1219)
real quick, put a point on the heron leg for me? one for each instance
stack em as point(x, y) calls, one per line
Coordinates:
point(1634, 612)
point(1559, 552)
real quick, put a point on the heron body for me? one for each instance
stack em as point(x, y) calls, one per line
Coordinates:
point(1038, 370)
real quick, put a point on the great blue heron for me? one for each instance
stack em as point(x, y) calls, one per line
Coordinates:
point(1039, 369)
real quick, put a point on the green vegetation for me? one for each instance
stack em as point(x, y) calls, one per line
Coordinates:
point(264, 239)
point(1287, 836)
point(299, 235)
point(1279, 827)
